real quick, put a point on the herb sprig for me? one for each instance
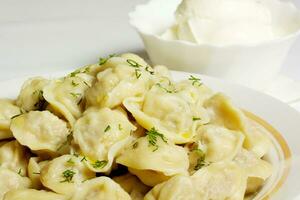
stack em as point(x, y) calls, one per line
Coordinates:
point(195, 81)
point(102, 61)
point(165, 89)
point(41, 102)
point(201, 160)
point(100, 164)
point(152, 135)
point(68, 176)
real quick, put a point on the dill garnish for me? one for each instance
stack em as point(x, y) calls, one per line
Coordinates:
point(152, 135)
point(201, 160)
point(147, 69)
point(41, 102)
point(68, 175)
point(135, 145)
point(107, 128)
point(196, 118)
point(104, 60)
point(165, 89)
point(120, 127)
point(71, 161)
point(75, 95)
point(83, 159)
point(133, 63)
point(195, 80)
point(99, 164)
point(74, 83)
point(138, 73)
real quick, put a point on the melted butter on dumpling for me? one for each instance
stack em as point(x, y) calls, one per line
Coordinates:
point(101, 188)
point(65, 173)
point(149, 162)
point(40, 130)
point(7, 111)
point(13, 156)
point(101, 134)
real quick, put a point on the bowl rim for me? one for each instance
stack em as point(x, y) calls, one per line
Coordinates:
point(290, 36)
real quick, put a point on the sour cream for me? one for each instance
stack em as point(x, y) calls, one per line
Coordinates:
point(222, 22)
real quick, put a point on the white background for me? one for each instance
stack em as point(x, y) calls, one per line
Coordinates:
point(38, 36)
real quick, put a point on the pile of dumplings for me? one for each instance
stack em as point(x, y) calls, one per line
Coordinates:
point(120, 130)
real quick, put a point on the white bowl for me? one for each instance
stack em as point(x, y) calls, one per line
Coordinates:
point(253, 65)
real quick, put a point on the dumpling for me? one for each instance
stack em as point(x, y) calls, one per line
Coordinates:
point(257, 170)
point(258, 141)
point(34, 171)
point(122, 77)
point(222, 180)
point(152, 158)
point(149, 177)
point(132, 185)
point(66, 95)
point(101, 134)
point(168, 112)
point(221, 144)
point(64, 174)
point(31, 95)
point(12, 181)
point(40, 130)
point(13, 156)
point(194, 91)
point(32, 194)
point(7, 111)
point(176, 188)
point(224, 113)
point(101, 188)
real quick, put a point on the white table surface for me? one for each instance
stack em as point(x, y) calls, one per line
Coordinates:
point(38, 36)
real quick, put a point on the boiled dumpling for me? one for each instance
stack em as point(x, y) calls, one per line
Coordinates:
point(149, 177)
point(66, 95)
point(177, 188)
point(257, 170)
point(122, 77)
point(193, 91)
point(222, 180)
point(11, 180)
point(32, 194)
point(132, 185)
point(258, 141)
point(162, 158)
point(167, 111)
point(31, 95)
point(40, 130)
point(221, 144)
point(100, 134)
point(34, 171)
point(224, 113)
point(7, 111)
point(64, 174)
point(101, 188)
point(13, 156)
